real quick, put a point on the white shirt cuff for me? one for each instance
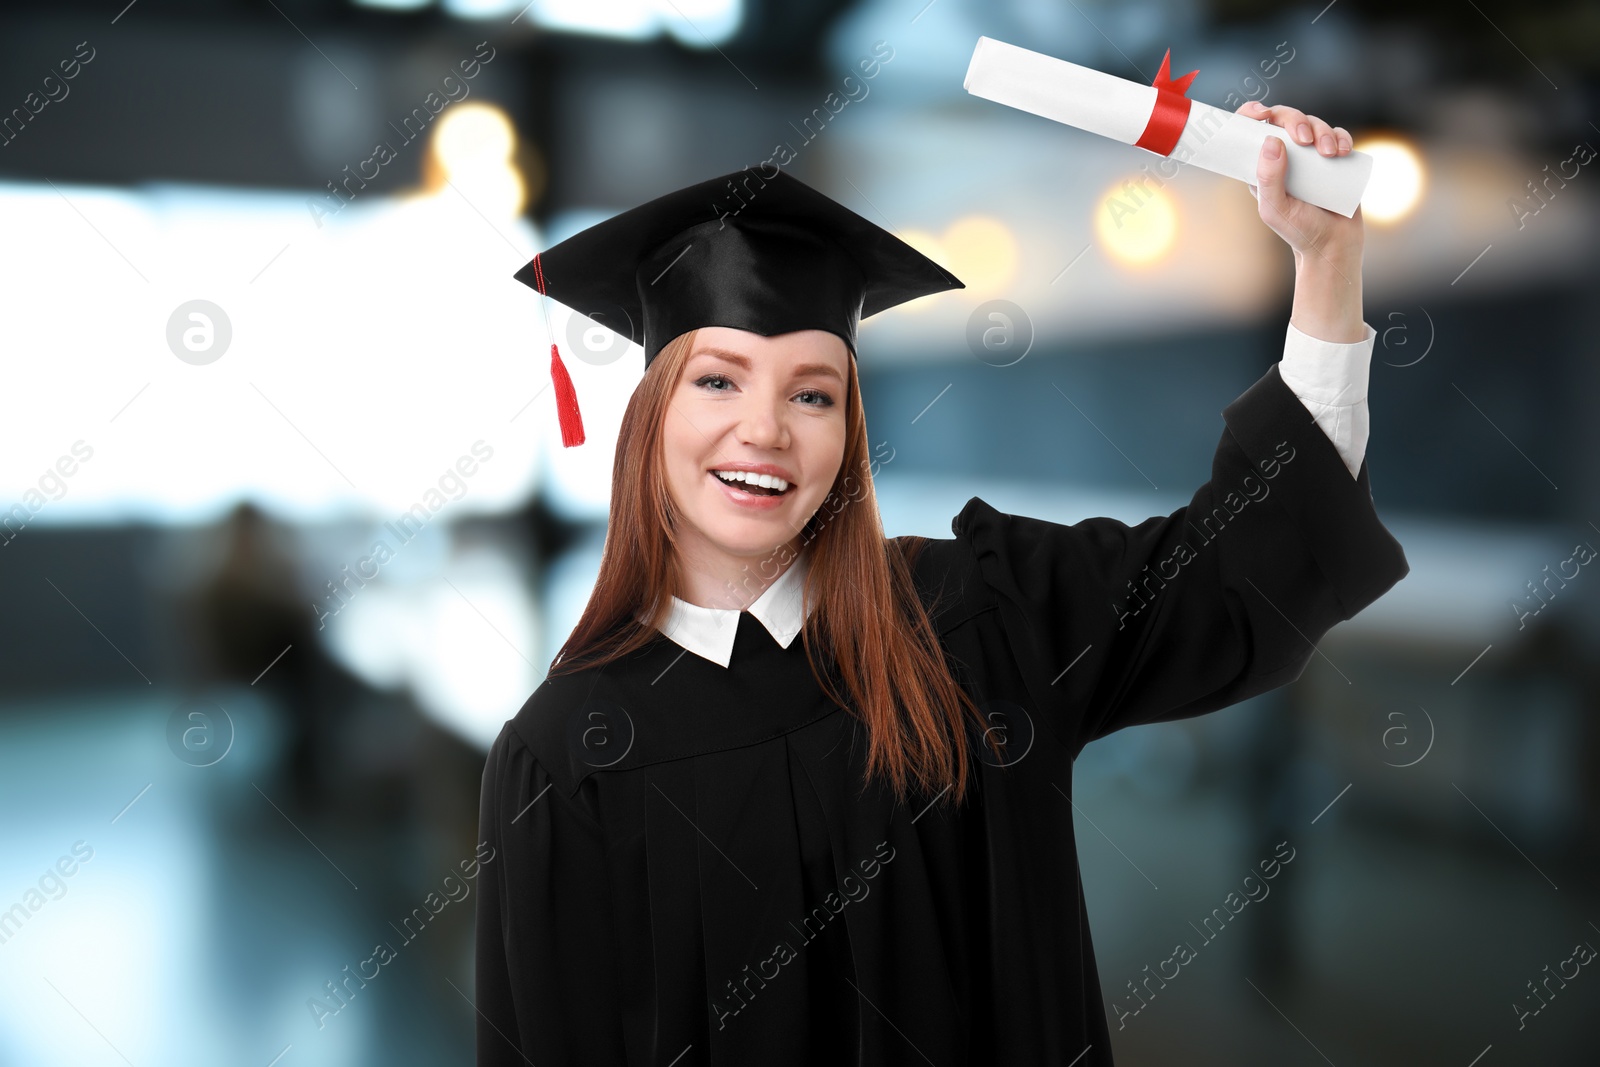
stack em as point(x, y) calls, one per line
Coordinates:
point(1331, 381)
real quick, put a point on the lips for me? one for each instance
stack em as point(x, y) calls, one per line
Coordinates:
point(757, 483)
point(753, 497)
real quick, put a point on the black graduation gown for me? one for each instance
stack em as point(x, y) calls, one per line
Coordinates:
point(684, 873)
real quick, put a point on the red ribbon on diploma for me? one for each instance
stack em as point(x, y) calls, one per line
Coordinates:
point(1171, 112)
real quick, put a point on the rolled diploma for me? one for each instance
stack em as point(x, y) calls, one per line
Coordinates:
point(1216, 140)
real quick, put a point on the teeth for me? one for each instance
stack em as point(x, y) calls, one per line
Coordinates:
point(767, 480)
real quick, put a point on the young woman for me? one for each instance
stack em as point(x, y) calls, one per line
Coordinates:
point(797, 793)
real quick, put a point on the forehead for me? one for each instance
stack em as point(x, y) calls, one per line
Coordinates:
point(726, 344)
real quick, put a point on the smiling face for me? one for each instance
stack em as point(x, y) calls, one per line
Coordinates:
point(767, 412)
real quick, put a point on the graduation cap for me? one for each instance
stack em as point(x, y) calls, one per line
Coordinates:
point(757, 253)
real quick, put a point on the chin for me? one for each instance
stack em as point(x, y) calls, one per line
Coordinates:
point(748, 537)
point(744, 535)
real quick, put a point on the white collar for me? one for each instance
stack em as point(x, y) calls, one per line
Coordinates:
point(709, 632)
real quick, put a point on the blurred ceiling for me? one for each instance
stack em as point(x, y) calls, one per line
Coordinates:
point(275, 94)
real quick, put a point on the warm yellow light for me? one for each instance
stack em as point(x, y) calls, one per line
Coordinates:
point(983, 251)
point(473, 146)
point(1136, 224)
point(1395, 187)
point(473, 137)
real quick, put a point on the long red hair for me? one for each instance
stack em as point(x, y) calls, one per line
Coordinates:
point(868, 627)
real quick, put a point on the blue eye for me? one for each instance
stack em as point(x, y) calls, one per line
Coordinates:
point(709, 381)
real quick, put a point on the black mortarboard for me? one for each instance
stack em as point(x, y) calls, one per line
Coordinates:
point(768, 254)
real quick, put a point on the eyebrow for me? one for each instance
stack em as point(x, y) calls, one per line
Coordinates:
point(743, 363)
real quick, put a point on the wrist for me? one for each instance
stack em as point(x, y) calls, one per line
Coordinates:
point(1333, 259)
point(1327, 295)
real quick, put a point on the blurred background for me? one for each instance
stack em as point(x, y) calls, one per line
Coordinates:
point(286, 530)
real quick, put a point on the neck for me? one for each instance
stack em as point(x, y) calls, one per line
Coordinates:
point(723, 581)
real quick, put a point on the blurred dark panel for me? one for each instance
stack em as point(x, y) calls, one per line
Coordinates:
point(1466, 431)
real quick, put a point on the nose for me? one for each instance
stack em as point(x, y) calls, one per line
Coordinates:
point(763, 422)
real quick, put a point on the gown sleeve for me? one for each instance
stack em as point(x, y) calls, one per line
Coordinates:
point(1115, 625)
point(546, 991)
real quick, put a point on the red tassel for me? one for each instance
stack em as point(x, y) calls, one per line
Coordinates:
point(566, 401)
point(566, 396)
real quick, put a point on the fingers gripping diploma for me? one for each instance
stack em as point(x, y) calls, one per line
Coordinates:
point(1305, 227)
